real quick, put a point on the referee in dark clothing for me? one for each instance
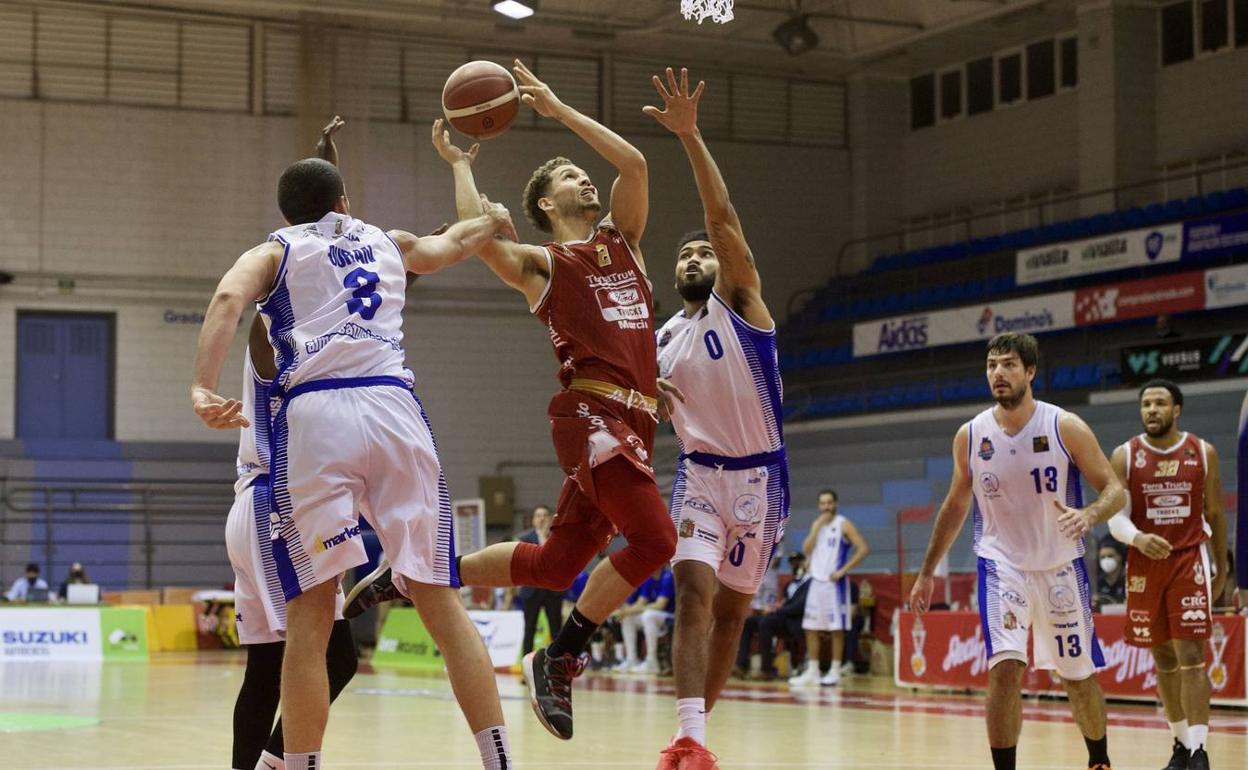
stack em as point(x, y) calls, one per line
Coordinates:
point(534, 600)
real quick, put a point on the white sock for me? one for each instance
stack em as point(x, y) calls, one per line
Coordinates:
point(692, 715)
point(309, 761)
point(1197, 734)
point(494, 748)
point(1180, 731)
point(270, 762)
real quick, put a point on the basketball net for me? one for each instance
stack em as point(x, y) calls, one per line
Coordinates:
point(719, 11)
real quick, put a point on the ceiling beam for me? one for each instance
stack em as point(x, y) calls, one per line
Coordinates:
point(845, 17)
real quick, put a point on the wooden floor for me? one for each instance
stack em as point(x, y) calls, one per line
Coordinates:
point(175, 714)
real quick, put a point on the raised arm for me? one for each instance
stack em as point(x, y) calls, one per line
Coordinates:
point(737, 279)
point(325, 147)
point(630, 193)
point(1081, 443)
point(250, 277)
point(1216, 517)
point(520, 266)
point(949, 522)
point(431, 253)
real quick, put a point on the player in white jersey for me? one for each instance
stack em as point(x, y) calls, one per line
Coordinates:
point(260, 607)
point(835, 546)
point(1019, 465)
point(349, 436)
point(717, 357)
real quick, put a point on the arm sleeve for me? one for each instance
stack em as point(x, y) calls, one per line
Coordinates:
point(1122, 528)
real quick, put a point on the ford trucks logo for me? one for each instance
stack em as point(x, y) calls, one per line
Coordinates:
point(1167, 500)
point(625, 296)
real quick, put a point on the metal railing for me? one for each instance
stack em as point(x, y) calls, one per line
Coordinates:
point(176, 528)
point(996, 220)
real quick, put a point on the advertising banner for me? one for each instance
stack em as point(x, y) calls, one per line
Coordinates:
point(404, 641)
point(123, 633)
point(1226, 287)
point(946, 649)
point(1178, 293)
point(1215, 234)
point(1195, 359)
point(1134, 248)
point(1042, 313)
point(50, 634)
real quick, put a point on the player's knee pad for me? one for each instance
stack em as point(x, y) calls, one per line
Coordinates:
point(541, 566)
point(264, 667)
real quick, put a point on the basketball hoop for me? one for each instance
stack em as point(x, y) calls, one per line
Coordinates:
point(719, 11)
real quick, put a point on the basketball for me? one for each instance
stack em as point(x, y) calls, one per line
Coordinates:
point(480, 99)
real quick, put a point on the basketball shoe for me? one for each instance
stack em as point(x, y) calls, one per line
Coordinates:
point(1179, 758)
point(376, 588)
point(1199, 761)
point(808, 678)
point(686, 754)
point(550, 689)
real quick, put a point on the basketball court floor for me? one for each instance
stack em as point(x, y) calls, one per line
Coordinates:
point(175, 714)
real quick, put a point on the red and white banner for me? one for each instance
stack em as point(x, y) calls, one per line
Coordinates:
point(1177, 293)
point(946, 650)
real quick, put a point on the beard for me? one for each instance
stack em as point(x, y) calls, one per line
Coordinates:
point(696, 291)
point(1012, 399)
point(1163, 427)
point(576, 209)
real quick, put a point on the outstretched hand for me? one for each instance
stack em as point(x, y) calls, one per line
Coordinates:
point(217, 412)
point(680, 108)
point(447, 149)
point(535, 93)
point(502, 218)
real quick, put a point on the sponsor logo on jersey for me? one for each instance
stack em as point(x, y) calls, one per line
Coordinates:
point(990, 484)
point(700, 504)
point(1198, 572)
point(1138, 616)
point(604, 255)
point(1141, 458)
point(686, 528)
point(1195, 615)
point(1142, 632)
point(1010, 621)
point(748, 509)
point(665, 338)
point(326, 543)
point(986, 450)
point(1062, 599)
point(1040, 444)
point(1013, 597)
point(1136, 584)
point(1195, 600)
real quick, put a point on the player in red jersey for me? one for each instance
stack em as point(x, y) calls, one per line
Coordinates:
point(588, 285)
point(1174, 507)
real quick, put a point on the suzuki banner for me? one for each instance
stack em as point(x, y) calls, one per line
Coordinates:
point(73, 633)
point(1203, 358)
point(946, 650)
point(1134, 248)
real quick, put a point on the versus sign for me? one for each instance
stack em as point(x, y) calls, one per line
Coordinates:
point(1133, 248)
point(1203, 358)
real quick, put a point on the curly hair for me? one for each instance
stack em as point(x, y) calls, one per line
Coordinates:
point(537, 187)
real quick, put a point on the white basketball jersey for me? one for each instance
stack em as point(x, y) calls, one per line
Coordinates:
point(253, 441)
point(831, 550)
point(336, 308)
point(730, 375)
point(1017, 480)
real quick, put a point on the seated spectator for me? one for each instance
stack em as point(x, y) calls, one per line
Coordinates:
point(23, 587)
point(785, 622)
point(77, 576)
point(1111, 580)
point(657, 617)
point(628, 615)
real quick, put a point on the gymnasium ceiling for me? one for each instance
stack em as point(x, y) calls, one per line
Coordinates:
point(851, 33)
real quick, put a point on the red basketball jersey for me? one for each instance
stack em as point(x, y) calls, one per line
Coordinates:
point(599, 309)
point(1167, 489)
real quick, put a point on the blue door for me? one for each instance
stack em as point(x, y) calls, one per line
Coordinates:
point(64, 376)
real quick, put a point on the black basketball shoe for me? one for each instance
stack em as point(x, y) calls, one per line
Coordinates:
point(376, 588)
point(550, 689)
point(1199, 760)
point(1180, 758)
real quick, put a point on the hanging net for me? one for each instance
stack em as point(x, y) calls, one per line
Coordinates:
point(719, 11)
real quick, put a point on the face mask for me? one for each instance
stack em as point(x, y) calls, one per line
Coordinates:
point(1108, 564)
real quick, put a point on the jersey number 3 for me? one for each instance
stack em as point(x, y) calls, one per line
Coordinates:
point(364, 300)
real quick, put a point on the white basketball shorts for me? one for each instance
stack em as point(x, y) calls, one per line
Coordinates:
point(259, 605)
point(828, 606)
point(1055, 604)
point(342, 446)
point(729, 519)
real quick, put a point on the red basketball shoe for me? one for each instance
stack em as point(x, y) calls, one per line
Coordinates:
point(686, 754)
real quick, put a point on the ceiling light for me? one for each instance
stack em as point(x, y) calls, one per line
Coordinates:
point(515, 9)
point(795, 35)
